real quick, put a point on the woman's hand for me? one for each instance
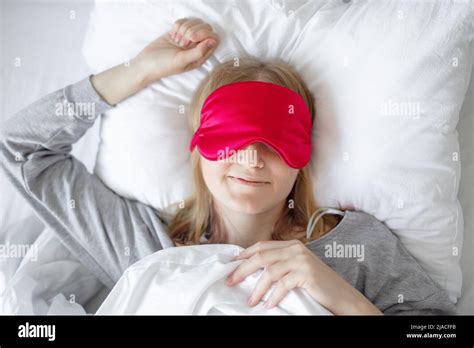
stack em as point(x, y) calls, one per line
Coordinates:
point(292, 265)
point(189, 43)
point(187, 46)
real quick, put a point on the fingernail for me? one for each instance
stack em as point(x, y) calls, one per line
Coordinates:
point(250, 301)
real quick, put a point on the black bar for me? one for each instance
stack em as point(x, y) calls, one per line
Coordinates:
point(236, 329)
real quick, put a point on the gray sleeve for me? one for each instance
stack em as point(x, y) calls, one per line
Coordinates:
point(387, 275)
point(406, 288)
point(398, 285)
point(105, 231)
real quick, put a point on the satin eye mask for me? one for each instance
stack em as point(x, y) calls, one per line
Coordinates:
point(241, 113)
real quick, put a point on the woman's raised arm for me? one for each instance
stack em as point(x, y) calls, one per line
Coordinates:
point(185, 47)
point(105, 231)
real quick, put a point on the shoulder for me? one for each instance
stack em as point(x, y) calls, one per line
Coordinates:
point(401, 284)
point(366, 228)
point(365, 220)
point(372, 259)
point(380, 243)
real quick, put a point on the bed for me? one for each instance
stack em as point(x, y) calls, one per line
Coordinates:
point(29, 35)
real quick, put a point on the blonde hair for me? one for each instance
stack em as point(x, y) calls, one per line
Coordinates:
point(197, 215)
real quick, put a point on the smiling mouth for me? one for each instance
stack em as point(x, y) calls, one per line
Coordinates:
point(248, 182)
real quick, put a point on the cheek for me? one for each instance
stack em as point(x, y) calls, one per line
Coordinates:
point(284, 176)
point(284, 180)
point(214, 175)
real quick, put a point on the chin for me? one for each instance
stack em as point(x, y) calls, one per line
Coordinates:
point(247, 205)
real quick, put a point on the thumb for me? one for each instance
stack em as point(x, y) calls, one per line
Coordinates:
point(199, 52)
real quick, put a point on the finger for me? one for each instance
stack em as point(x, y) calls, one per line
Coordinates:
point(270, 275)
point(202, 35)
point(210, 50)
point(176, 26)
point(282, 287)
point(195, 27)
point(179, 38)
point(264, 245)
point(194, 57)
point(200, 32)
point(260, 259)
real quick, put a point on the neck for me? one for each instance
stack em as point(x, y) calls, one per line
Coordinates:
point(247, 229)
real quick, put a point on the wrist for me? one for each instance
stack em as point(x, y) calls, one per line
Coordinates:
point(341, 298)
point(354, 303)
point(364, 307)
point(143, 72)
point(120, 82)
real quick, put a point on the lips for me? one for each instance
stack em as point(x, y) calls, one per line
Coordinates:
point(250, 179)
point(249, 182)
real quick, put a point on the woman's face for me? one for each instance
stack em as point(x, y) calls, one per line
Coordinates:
point(252, 180)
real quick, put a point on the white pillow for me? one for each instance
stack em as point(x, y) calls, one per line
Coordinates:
point(389, 80)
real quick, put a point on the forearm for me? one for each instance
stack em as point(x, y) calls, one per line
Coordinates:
point(120, 82)
point(333, 292)
point(358, 305)
point(160, 58)
point(346, 300)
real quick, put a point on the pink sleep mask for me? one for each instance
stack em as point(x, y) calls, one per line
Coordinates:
point(241, 113)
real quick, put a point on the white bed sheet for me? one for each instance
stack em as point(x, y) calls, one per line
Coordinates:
point(189, 280)
point(47, 42)
point(47, 36)
point(465, 304)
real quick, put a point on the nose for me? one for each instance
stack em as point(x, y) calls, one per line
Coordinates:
point(252, 156)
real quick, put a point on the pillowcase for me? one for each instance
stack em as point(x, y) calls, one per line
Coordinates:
point(389, 80)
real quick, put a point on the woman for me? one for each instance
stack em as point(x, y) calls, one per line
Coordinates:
point(108, 233)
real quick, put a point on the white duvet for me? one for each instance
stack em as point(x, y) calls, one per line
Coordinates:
point(191, 280)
